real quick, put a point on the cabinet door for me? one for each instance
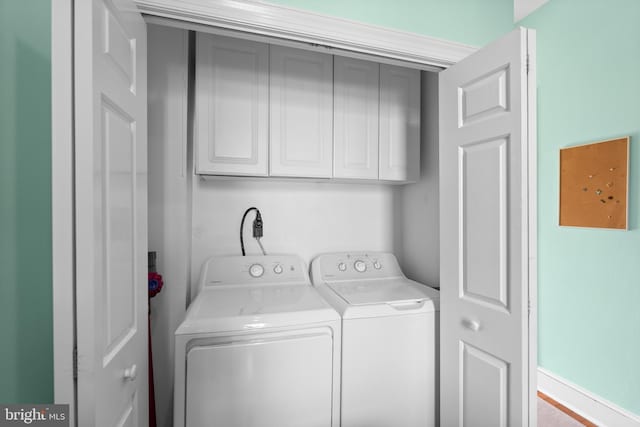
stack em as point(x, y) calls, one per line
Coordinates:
point(301, 113)
point(355, 115)
point(399, 123)
point(231, 106)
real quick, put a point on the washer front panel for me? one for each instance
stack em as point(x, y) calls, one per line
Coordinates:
point(388, 371)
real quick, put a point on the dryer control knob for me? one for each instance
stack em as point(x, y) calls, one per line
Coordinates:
point(256, 270)
point(377, 265)
point(360, 266)
point(278, 269)
point(342, 266)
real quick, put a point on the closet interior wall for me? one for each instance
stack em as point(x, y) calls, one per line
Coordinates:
point(191, 218)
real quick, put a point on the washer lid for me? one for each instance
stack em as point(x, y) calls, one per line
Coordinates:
point(380, 291)
point(246, 307)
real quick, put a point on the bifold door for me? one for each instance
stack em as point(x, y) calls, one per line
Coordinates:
point(111, 213)
point(487, 236)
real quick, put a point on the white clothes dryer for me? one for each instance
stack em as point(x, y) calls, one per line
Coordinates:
point(258, 347)
point(389, 339)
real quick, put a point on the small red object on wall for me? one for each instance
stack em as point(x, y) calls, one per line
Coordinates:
point(155, 284)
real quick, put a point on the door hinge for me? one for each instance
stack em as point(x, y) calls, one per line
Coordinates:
point(75, 363)
point(527, 64)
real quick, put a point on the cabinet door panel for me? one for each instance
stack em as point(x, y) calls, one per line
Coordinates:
point(231, 106)
point(301, 113)
point(355, 133)
point(399, 123)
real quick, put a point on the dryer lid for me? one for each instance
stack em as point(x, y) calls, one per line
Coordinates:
point(382, 291)
point(242, 307)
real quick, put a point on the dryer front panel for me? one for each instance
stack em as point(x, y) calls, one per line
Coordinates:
point(266, 380)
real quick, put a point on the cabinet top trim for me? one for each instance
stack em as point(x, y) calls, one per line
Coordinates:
point(272, 20)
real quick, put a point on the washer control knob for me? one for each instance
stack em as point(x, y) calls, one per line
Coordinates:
point(342, 266)
point(377, 265)
point(278, 269)
point(256, 270)
point(360, 266)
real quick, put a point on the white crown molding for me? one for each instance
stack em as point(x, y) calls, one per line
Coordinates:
point(593, 407)
point(271, 20)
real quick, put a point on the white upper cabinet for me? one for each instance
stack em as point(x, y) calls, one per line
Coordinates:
point(301, 113)
point(399, 123)
point(267, 110)
point(355, 115)
point(232, 107)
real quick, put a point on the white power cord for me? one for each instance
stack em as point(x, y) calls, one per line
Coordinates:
point(261, 247)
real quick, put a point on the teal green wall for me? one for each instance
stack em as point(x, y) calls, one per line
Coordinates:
point(26, 331)
point(589, 279)
point(472, 22)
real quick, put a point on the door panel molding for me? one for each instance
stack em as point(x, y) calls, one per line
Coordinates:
point(472, 103)
point(475, 236)
point(479, 370)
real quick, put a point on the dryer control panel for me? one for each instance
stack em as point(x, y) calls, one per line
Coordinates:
point(355, 265)
point(254, 269)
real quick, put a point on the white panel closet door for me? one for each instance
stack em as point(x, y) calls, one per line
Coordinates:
point(399, 123)
point(301, 113)
point(232, 108)
point(111, 213)
point(487, 236)
point(355, 115)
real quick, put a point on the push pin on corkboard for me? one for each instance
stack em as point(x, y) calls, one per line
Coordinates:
point(593, 184)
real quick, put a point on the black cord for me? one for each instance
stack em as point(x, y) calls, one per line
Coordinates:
point(257, 226)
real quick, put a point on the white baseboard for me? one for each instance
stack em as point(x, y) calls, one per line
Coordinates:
point(582, 402)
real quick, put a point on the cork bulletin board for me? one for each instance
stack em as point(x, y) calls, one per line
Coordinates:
point(593, 184)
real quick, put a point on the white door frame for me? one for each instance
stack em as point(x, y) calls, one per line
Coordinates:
point(62, 205)
point(253, 17)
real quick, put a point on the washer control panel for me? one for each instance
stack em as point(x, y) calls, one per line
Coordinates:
point(254, 269)
point(355, 265)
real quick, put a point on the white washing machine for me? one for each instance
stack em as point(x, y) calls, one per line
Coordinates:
point(258, 347)
point(389, 339)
